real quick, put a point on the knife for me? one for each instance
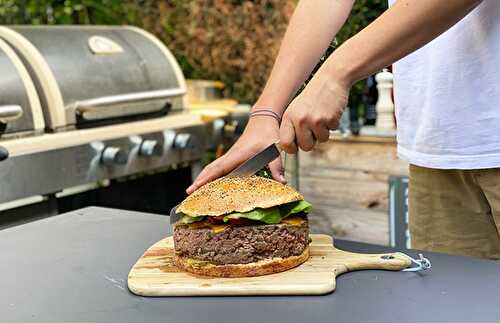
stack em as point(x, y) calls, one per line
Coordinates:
point(248, 168)
point(174, 216)
point(257, 162)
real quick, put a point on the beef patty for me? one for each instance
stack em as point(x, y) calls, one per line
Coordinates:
point(229, 244)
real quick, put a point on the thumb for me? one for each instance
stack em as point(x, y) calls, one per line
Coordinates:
point(276, 168)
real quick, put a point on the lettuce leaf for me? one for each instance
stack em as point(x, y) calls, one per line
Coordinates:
point(296, 207)
point(271, 215)
point(187, 219)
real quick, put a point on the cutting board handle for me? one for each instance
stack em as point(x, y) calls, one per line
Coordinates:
point(384, 261)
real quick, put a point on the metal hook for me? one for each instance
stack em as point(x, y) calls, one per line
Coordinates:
point(421, 264)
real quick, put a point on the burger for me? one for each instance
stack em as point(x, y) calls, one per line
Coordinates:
point(242, 227)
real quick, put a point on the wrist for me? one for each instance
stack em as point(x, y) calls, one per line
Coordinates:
point(265, 112)
point(341, 70)
point(265, 108)
point(264, 125)
point(269, 104)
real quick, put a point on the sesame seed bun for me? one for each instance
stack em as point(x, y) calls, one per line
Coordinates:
point(237, 194)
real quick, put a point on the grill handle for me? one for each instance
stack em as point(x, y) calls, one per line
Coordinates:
point(109, 101)
point(10, 113)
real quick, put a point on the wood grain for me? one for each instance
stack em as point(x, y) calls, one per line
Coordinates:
point(154, 274)
point(347, 180)
point(346, 192)
point(370, 226)
point(365, 156)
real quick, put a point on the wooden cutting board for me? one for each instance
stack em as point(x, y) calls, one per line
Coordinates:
point(154, 274)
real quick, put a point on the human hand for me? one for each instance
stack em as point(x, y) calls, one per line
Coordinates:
point(260, 132)
point(312, 114)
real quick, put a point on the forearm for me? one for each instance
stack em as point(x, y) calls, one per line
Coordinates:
point(405, 27)
point(311, 30)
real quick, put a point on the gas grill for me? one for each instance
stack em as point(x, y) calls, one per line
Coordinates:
point(80, 105)
point(93, 75)
point(20, 110)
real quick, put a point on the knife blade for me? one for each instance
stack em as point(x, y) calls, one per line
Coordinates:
point(259, 160)
point(248, 168)
point(174, 216)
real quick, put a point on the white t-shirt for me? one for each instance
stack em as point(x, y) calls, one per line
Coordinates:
point(447, 96)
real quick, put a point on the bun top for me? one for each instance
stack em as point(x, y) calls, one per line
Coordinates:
point(237, 194)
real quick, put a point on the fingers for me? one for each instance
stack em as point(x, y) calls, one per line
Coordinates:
point(210, 172)
point(333, 123)
point(287, 136)
point(303, 130)
point(305, 138)
point(297, 132)
point(276, 168)
point(320, 131)
point(227, 163)
point(218, 168)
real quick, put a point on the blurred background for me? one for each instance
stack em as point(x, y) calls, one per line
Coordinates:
point(226, 49)
point(231, 41)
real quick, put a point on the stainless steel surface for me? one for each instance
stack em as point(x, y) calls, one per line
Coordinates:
point(174, 216)
point(51, 171)
point(257, 162)
point(115, 106)
point(291, 169)
point(14, 93)
point(130, 81)
point(9, 113)
point(84, 74)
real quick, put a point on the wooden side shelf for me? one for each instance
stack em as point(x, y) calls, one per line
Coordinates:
point(346, 179)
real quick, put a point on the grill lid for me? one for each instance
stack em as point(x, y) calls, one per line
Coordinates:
point(88, 74)
point(20, 111)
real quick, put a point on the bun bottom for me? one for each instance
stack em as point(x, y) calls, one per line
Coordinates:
point(259, 268)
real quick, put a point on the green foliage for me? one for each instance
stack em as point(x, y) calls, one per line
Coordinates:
point(233, 41)
point(64, 12)
point(363, 13)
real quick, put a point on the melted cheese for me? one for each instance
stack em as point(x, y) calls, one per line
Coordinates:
point(293, 220)
point(218, 228)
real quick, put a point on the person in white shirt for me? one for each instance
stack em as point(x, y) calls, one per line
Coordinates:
point(447, 95)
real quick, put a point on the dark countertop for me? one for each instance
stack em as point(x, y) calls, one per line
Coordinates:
point(73, 268)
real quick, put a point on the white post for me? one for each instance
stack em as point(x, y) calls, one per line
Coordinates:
point(384, 106)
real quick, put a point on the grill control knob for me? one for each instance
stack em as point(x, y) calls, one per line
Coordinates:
point(114, 156)
point(183, 141)
point(150, 148)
